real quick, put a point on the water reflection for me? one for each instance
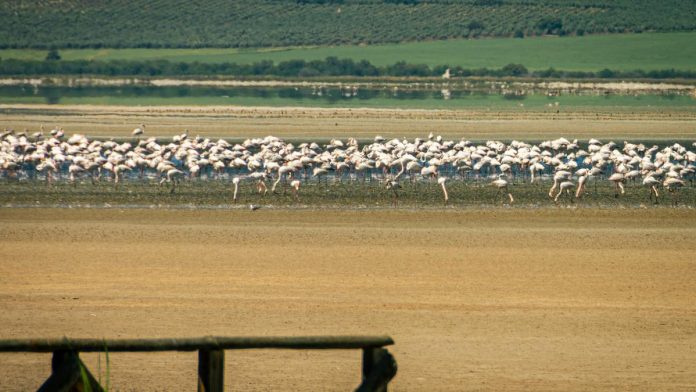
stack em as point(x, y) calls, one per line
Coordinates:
point(323, 96)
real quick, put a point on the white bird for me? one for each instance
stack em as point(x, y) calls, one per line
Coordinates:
point(235, 181)
point(559, 177)
point(565, 186)
point(502, 185)
point(672, 185)
point(173, 177)
point(393, 185)
point(652, 183)
point(442, 181)
point(139, 130)
point(581, 183)
point(618, 180)
point(295, 185)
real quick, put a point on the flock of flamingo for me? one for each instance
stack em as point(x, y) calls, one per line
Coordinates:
point(268, 161)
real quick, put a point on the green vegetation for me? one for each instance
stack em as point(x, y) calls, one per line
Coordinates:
point(371, 194)
point(329, 67)
point(623, 52)
point(53, 55)
point(262, 23)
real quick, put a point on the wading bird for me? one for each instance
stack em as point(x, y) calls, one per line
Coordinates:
point(502, 186)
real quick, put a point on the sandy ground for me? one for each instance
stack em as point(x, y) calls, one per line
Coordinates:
point(546, 299)
point(299, 122)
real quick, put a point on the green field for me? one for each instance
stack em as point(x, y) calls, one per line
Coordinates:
point(265, 23)
point(648, 51)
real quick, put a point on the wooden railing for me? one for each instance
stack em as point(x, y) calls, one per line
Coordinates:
point(69, 373)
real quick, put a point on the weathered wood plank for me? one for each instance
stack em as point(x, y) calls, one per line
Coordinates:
point(194, 344)
point(211, 370)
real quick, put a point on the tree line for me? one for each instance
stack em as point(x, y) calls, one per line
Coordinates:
point(331, 66)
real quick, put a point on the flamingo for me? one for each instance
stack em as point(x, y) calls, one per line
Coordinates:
point(393, 185)
point(565, 186)
point(235, 181)
point(295, 185)
point(652, 183)
point(173, 177)
point(77, 156)
point(559, 177)
point(261, 182)
point(442, 181)
point(581, 184)
point(672, 185)
point(282, 171)
point(618, 180)
point(502, 185)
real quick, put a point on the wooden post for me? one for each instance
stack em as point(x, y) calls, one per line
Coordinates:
point(66, 374)
point(368, 361)
point(379, 367)
point(211, 370)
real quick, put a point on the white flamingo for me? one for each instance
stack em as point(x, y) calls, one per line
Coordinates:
point(618, 180)
point(442, 181)
point(565, 186)
point(235, 181)
point(502, 186)
point(673, 185)
point(295, 185)
point(652, 183)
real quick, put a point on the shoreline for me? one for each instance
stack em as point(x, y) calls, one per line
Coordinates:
point(503, 85)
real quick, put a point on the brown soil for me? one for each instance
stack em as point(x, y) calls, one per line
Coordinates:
point(299, 122)
point(476, 300)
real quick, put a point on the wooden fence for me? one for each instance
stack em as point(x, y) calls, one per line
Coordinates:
point(68, 371)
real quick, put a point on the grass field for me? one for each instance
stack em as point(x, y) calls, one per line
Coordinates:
point(647, 51)
point(541, 300)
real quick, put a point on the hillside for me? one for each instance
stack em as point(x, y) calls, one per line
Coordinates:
point(261, 23)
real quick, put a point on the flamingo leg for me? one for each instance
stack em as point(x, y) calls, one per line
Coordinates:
point(553, 188)
point(275, 184)
point(444, 190)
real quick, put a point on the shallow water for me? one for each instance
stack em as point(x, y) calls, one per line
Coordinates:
point(391, 97)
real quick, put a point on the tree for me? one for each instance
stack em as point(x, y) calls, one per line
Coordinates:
point(515, 70)
point(53, 55)
point(550, 26)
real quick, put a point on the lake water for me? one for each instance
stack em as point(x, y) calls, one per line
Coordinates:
point(389, 97)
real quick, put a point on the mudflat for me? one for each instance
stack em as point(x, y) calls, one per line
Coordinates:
point(303, 122)
point(479, 299)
